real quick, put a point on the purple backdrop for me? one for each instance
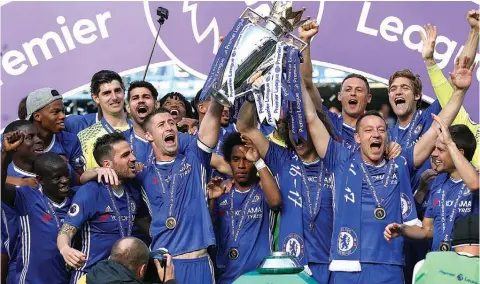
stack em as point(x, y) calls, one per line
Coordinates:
point(119, 36)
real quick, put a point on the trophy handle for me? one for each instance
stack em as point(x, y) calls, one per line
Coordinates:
point(289, 38)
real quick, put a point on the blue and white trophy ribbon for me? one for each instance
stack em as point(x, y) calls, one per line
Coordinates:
point(215, 77)
point(295, 108)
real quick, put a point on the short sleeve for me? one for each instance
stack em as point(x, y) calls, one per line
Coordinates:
point(184, 141)
point(25, 197)
point(76, 159)
point(82, 207)
point(75, 123)
point(201, 151)
point(276, 157)
point(429, 211)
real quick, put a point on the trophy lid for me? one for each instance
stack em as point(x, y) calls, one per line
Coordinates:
point(279, 263)
point(283, 15)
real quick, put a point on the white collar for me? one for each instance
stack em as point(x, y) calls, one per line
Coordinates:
point(56, 205)
point(22, 172)
point(161, 163)
point(139, 137)
point(377, 166)
point(312, 162)
point(348, 126)
point(455, 181)
point(49, 148)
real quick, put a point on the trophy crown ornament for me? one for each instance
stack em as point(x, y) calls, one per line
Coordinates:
point(283, 15)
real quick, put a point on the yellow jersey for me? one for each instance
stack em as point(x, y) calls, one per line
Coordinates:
point(89, 136)
point(444, 91)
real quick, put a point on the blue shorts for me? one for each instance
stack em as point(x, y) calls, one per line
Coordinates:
point(320, 272)
point(372, 274)
point(198, 270)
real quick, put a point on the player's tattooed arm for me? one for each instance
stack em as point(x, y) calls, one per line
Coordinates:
point(68, 230)
point(71, 256)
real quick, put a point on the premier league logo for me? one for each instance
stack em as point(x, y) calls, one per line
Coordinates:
point(294, 245)
point(347, 242)
point(406, 205)
point(197, 26)
point(74, 210)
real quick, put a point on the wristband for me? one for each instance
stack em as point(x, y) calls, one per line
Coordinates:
point(260, 164)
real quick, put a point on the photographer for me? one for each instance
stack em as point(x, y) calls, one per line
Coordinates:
point(128, 264)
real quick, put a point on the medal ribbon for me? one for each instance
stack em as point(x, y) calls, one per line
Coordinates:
point(313, 211)
point(235, 233)
point(110, 128)
point(448, 226)
point(176, 168)
point(368, 179)
point(117, 212)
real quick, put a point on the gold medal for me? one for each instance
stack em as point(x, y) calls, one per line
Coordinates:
point(171, 223)
point(380, 213)
point(233, 253)
point(444, 246)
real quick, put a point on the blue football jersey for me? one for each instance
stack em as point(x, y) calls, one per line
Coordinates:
point(185, 177)
point(251, 217)
point(95, 215)
point(39, 260)
point(75, 123)
point(68, 145)
point(10, 221)
point(342, 130)
point(409, 136)
point(398, 206)
point(142, 149)
point(447, 195)
point(289, 170)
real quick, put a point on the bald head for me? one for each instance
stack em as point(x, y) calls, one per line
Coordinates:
point(131, 253)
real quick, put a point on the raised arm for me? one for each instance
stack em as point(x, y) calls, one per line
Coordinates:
point(210, 127)
point(268, 183)
point(316, 129)
point(306, 32)
point(11, 141)
point(466, 170)
point(247, 123)
point(461, 78)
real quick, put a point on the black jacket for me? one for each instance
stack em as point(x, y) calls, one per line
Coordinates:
point(111, 272)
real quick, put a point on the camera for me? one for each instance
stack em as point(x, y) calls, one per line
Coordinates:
point(162, 13)
point(159, 254)
point(151, 275)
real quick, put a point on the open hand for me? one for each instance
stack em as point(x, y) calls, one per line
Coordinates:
point(428, 39)
point(462, 75)
point(215, 188)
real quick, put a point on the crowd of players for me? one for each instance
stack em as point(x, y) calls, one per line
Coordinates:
point(221, 193)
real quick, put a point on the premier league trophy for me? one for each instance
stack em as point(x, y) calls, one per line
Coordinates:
point(254, 44)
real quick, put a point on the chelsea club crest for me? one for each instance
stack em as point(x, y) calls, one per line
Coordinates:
point(406, 205)
point(347, 242)
point(294, 245)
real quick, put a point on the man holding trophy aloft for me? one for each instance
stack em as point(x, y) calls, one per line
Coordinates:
point(265, 46)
